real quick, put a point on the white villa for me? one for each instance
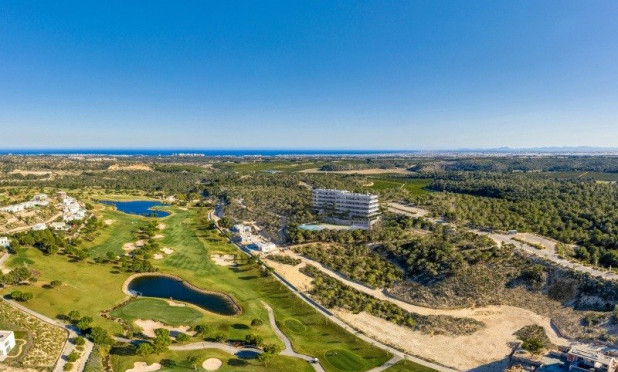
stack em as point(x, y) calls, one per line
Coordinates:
point(4, 242)
point(72, 209)
point(37, 200)
point(58, 226)
point(39, 227)
point(7, 342)
point(263, 246)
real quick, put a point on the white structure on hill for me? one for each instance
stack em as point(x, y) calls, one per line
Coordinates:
point(4, 242)
point(39, 227)
point(37, 200)
point(72, 209)
point(7, 342)
point(587, 358)
point(346, 208)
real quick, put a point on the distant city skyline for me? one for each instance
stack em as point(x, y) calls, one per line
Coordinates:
point(370, 75)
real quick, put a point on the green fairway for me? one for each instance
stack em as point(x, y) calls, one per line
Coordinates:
point(294, 325)
point(159, 310)
point(409, 366)
point(114, 236)
point(231, 363)
point(344, 360)
point(87, 287)
point(91, 288)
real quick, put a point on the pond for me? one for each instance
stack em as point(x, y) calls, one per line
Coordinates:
point(139, 207)
point(172, 288)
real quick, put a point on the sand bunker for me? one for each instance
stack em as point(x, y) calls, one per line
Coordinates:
point(223, 260)
point(128, 247)
point(144, 367)
point(212, 364)
point(174, 303)
point(158, 256)
point(158, 236)
point(148, 328)
point(167, 250)
point(161, 226)
point(109, 222)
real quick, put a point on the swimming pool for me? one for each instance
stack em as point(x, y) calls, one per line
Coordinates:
point(309, 227)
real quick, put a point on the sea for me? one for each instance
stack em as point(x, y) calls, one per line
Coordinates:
point(198, 152)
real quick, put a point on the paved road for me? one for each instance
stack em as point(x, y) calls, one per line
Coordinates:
point(288, 350)
point(548, 253)
point(68, 346)
point(26, 228)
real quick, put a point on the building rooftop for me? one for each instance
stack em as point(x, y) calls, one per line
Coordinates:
point(4, 334)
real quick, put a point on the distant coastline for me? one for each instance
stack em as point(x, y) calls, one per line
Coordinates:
point(149, 152)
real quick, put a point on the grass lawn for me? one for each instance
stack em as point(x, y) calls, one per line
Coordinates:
point(344, 360)
point(114, 236)
point(159, 310)
point(231, 363)
point(87, 287)
point(409, 366)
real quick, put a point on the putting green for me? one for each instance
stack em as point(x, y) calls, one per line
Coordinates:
point(294, 325)
point(344, 360)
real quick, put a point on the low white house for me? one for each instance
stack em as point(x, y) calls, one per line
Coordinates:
point(58, 226)
point(263, 246)
point(4, 242)
point(240, 228)
point(7, 342)
point(39, 227)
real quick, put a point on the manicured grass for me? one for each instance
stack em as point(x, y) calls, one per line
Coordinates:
point(344, 360)
point(159, 310)
point(87, 287)
point(113, 237)
point(409, 366)
point(230, 362)
point(294, 325)
point(194, 245)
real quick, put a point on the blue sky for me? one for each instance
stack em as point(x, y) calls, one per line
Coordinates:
point(308, 74)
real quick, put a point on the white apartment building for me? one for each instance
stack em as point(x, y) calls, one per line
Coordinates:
point(4, 242)
point(7, 342)
point(346, 208)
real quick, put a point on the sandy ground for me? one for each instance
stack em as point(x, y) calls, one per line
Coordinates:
point(223, 260)
point(167, 250)
point(361, 171)
point(158, 236)
point(161, 226)
point(482, 347)
point(128, 247)
point(148, 327)
point(109, 222)
point(157, 256)
point(212, 364)
point(174, 303)
point(134, 167)
point(144, 367)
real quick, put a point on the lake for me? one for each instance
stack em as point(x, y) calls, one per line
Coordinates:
point(139, 207)
point(171, 288)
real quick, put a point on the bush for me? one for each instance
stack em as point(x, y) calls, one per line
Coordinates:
point(169, 363)
point(73, 357)
point(256, 322)
point(68, 366)
point(55, 283)
point(79, 340)
point(144, 349)
point(182, 337)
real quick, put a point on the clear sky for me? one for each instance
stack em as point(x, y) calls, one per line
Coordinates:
point(308, 74)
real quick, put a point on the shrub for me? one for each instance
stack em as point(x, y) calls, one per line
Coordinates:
point(73, 357)
point(68, 366)
point(256, 322)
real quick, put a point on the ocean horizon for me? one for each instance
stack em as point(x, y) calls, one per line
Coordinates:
point(200, 152)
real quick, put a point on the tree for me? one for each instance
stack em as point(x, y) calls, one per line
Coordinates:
point(79, 340)
point(265, 358)
point(144, 349)
point(256, 322)
point(55, 283)
point(192, 360)
point(201, 329)
point(182, 337)
point(162, 340)
point(74, 316)
point(100, 336)
point(73, 357)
